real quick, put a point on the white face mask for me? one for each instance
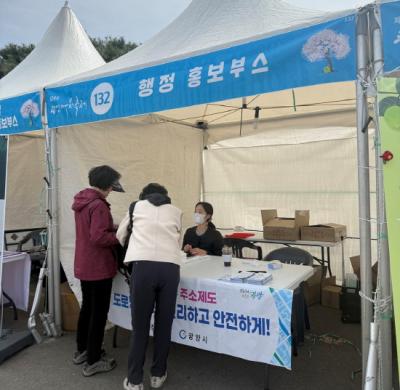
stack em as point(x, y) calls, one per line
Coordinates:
point(198, 218)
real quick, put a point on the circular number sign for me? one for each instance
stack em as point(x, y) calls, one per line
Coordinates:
point(102, 98)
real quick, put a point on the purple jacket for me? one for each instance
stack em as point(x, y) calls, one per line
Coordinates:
point(95, 237)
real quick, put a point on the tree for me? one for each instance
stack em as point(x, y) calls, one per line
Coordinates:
point(11, 55)
point(112, 48)
point(109, 48)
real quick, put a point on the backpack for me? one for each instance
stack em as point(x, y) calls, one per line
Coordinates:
point(125, 269)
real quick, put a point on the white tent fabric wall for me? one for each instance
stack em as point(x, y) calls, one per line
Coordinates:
point(143, 151)
point(25, 207)
point(288, 170)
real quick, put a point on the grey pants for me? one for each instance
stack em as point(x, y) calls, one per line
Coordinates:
point(153, 284)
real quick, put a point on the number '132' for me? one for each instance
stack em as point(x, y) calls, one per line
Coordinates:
point(102, 98)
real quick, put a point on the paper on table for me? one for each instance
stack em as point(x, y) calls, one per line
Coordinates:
point(241, 276)
point(259, 278)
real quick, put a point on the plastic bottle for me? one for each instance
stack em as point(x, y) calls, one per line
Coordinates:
point(227, 255)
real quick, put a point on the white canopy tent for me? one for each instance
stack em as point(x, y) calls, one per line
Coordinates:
point(65, 50)
point(319, 113)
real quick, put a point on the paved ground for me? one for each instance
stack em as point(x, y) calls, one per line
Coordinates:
point(320, 364)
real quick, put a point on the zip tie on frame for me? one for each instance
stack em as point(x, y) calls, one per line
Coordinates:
point(371, 167)
point(382, 306)
point(373, 220)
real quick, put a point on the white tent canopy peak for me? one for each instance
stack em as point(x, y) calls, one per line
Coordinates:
point(64, 50)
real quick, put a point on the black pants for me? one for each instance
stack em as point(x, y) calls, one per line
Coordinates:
point(93, 316)
point(152, 283)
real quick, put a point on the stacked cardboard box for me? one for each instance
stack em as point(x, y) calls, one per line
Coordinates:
point(331, 296)
point(318, 289)
point(278, 228)
point(329, 232)
point(312, 287)
point(330, 293)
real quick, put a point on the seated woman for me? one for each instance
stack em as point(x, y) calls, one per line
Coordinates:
point(203, 239)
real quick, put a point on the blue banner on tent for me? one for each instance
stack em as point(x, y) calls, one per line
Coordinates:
point(20, 114)
point(390, 15)
point(323, 53)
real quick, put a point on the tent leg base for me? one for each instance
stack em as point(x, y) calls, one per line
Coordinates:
point(13, 343)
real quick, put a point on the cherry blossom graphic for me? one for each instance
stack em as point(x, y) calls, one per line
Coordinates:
point(30, 110)
point(326, 45)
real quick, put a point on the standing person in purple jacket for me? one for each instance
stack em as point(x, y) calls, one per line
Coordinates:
point(95, 266)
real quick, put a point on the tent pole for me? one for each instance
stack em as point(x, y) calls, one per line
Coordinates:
point(56, 255)
point(363, 181)
point(205, 147)
point(50, 273)
point(53, 258)
point(384, 292)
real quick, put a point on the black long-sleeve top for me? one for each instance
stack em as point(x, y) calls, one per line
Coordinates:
point(211, 240)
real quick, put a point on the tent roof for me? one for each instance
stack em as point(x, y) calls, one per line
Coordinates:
point(64, 50)
point(208, 25)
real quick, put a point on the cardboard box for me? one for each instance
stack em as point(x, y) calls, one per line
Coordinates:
point(70, 308)
point(312, 293)
point(330, 232)
point(331, 296)
point(312, 286)
point(355, 263)
point(316, 277)
point(288, 229)
point(331, 281)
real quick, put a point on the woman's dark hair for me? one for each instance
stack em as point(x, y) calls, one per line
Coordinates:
point(209, 210)
point(153, 188)
point(103, 177)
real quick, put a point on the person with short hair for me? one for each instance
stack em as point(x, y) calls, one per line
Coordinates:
point(203, 239)
point(95, 266)
point(154, 252)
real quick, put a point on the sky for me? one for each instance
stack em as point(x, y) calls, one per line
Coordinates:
point(25, 21)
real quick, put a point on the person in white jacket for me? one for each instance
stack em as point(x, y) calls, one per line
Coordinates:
point(155, 253)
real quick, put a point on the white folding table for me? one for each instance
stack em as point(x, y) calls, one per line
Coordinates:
point(325, 261)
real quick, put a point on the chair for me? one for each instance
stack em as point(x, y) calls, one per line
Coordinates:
point(238, 245)
point(290, 255)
